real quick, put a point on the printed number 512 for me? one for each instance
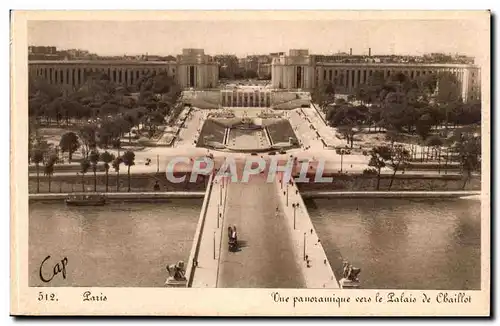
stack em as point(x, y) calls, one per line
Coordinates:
point(47, 297)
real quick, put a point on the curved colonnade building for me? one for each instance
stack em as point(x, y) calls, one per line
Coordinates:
point(193, 69)
point(299, 70)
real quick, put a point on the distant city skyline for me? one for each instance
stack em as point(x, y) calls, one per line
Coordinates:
point(242, 38)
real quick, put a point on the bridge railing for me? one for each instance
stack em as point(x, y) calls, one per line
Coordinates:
point(193, 255)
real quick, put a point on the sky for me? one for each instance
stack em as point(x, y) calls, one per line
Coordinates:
point(413, 37)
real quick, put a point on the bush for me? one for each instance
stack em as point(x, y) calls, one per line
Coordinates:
point(370, 171)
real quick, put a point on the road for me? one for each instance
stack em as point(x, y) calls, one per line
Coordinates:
point(265, 258)
point(190, 133)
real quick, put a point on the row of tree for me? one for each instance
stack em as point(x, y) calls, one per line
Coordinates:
point(99, 98)
point(95, 157)
point(466, 147)
point(103, 110)
point(399, 104)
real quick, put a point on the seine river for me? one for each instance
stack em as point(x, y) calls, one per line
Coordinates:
point(120, 244)
point(403, 244)
point(398, 244)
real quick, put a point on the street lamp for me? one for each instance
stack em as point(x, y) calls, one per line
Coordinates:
point(214, 245)
point(295, 206)
point(220, 192)
point(304, 246)
point(342, 152)
point(287, 194)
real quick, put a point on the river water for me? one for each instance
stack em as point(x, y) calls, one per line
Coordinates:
point(403, 244)
point(120, 244)
point(398, 244)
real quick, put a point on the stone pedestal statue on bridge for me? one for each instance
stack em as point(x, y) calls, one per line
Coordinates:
point(177, 277)
point(350, 279)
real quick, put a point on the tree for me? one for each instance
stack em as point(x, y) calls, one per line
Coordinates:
point(154, 120)
point(32, 135)
point(448, 93)
point(394, 108)
point(348, 131)
point(379, 155)
point(348, 119)
point(128, 159)
point(107, 158)
point(428, 84)
point(37, 158)
point(467, 114)
point(41, 95)
point(375, 117)
point(448, 88)
point(87, 135)
point(399, 157)
point(363, 94)
point(324, 96)
point(109, 108)
point(49, 168)
point(391, 135)
point(469, 155)
point(116, 166)
point(94, 160)
point(111, 130)
point(436, 143)
point(54, 109)
point(69, 143)
point(424, 125)
point(84, 167)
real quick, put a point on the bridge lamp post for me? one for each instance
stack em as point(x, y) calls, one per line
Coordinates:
point(304, 246)
point(295, 206)
point(342, 152)
point(220, 192)
point(214, 245)
point(287, 194)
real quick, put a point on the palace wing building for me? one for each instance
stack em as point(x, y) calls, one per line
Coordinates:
point(193, 69)
point(299, 70)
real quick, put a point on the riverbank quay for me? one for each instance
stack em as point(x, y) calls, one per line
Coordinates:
point(145, 182)
point(391, 194)
point(348, 182)
point(152, 196)
point(123, 196)
point(140, 182)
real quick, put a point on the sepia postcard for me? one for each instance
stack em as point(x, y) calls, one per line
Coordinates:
point(250, 163)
